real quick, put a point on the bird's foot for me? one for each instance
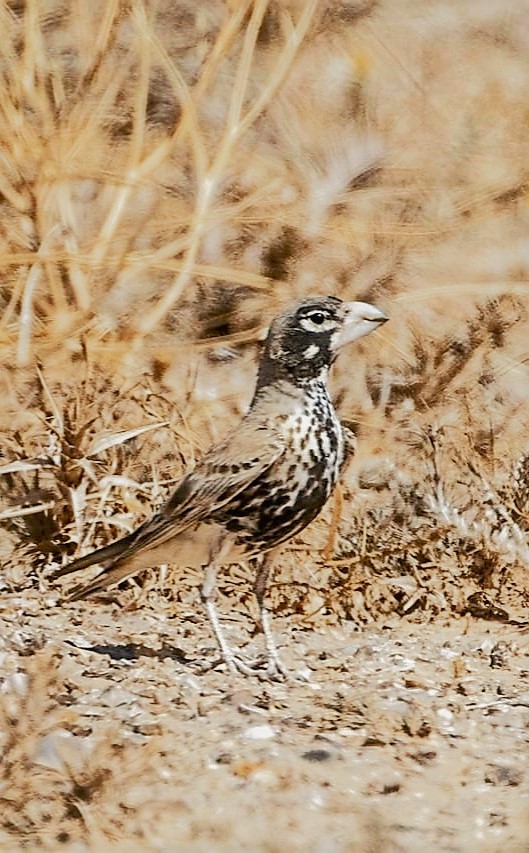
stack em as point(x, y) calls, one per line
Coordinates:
point(268, 668)
point(275, 668)
point(265, 669)
point(253, 669)
point(272, 668)
point(277, 671)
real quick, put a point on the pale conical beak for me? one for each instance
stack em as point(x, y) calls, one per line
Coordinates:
point(360, 319)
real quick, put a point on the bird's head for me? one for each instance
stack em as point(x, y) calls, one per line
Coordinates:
point(304, 341)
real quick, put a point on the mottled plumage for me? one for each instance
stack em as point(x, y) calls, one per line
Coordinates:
point(267, 480)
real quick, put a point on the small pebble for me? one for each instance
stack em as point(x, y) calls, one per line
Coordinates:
point(260, 732)
point(317, 755)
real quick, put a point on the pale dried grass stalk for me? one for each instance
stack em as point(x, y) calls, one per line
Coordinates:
point(237, 124)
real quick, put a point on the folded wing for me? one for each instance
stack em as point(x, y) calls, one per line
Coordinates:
point(223, 473)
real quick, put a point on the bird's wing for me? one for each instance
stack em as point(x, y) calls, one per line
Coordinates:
point(225, 472)
point(222, 474)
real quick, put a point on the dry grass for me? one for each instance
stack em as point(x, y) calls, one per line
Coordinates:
point(171, 173)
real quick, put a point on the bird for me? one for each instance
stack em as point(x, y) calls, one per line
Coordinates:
point(263, 483)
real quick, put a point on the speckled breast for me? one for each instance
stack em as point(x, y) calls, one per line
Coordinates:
point(293, 491)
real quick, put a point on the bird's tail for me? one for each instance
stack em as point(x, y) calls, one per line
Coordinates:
point(110, 576)
point(101, 555)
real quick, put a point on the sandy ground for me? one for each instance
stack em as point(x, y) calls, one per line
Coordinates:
point(404, 738)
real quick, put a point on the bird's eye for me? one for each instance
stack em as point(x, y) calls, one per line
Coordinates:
point(317, 317)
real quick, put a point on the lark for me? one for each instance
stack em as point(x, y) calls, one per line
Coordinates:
point(264, 482)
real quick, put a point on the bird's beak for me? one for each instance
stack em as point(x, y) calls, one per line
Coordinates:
point(360, 319)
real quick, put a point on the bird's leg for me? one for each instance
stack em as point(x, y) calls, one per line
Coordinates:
point(275, 664)
point(328, 551)
point(207, 596)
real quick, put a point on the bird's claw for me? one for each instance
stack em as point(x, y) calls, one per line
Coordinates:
point(270, 669)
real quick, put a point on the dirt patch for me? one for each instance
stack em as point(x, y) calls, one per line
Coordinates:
point(116, 730)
